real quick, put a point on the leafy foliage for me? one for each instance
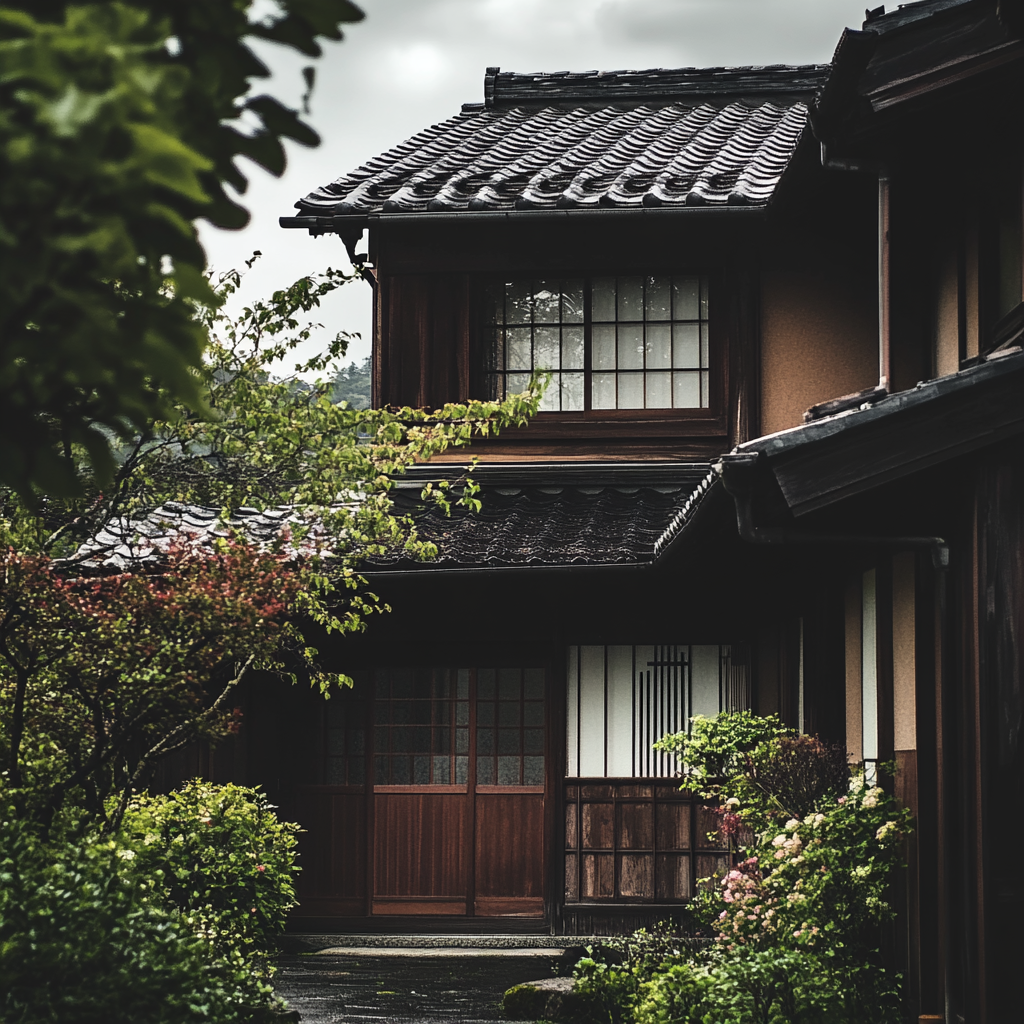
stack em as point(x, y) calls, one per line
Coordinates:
point(93, 669)
point(713, 756)
point(220, 856)
point(102, 675)
point(796, 923)
point(120, 124)
point(82, 940)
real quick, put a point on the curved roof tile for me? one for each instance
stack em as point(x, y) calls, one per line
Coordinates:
point(625, 139)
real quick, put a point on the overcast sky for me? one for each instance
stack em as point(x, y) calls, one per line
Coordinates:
point(412, 63)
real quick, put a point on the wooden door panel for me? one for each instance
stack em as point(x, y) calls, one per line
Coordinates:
point(420, 851)
point(509, 854)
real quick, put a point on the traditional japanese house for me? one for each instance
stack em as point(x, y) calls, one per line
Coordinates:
point(666, 244)
point(779, 466)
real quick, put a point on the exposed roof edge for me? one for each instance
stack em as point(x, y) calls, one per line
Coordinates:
point(828, 460)
point(346, 223)
point(684, 517)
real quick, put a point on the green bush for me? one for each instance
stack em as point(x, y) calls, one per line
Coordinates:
point(796, 923)
point(82, 942)
point(220, 856)
point(677, 995)
point(608, 982)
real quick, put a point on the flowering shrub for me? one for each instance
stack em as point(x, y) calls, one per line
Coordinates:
point(794, 924)
point(219, 855)
point(819, 882)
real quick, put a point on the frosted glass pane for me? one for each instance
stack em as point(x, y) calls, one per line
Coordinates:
point(516, 383)
point(703, 298)
point(572, 391)
point(631, 391)
point(546, 348)
point(659, 298)
point(602, 299)
point(603, 396)
point(686, 346)
point(603, 346)
point(572, 348)
point(519, 354)
point(631, 347)
point(549, 401)
point(704, 346)
point(869, 667)
point(686, 298)
point(631, 298)
point(620, 710)
point(572, 302)
point(591, 710)
point(704, 679)
point(659, 390)
point(659, 346)
point(686, 389)
point(705, 389)
point(570, 713)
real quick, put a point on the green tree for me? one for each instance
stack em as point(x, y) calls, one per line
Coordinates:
point(121, 123)
point(118, 647)
point(352, 384)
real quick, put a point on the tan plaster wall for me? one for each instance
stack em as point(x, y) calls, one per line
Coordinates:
point(854, 711)
point(904, 661)
point(819, 336)
point(947, 319)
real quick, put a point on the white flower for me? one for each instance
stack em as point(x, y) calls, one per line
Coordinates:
point(779, 840)
point(819, 818)
point(732, 802)
point(857, 783)
point(886, 830)
point(178, 840)
point(792, 824)
point(126, 854)
point(150, 839)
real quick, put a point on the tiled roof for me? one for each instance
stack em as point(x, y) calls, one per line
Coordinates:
point(550, 525)
point(530, 518)
point(126, 543)
point(715, 137)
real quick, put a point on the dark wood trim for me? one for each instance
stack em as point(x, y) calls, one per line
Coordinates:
point(421, 789)
point(510, 789)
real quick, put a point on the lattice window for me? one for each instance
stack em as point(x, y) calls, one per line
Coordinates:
point(510, 727)
point(637, 842)
point(421, 727)
point(631, 342)
point(622, 699)
point(345, 760)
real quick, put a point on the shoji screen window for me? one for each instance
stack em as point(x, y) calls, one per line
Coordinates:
point(649, 343)
point(622, 699)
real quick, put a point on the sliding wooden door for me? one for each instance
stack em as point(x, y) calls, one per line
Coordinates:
point(458, 791)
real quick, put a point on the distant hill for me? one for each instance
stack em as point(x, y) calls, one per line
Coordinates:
point(352, 385)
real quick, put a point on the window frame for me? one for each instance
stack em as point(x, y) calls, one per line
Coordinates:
point(709, 421)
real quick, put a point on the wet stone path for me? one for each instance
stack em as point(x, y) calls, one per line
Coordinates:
point(421, 986)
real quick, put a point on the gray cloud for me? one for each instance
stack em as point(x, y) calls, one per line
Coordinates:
point(413, 62)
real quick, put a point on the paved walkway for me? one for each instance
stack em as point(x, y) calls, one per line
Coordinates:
point(409, 986)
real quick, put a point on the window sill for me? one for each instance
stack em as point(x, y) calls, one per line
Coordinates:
point(620, 423)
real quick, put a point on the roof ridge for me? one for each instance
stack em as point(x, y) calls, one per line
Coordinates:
point(515, 88)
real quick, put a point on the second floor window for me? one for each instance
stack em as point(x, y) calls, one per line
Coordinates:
point(609, 342)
